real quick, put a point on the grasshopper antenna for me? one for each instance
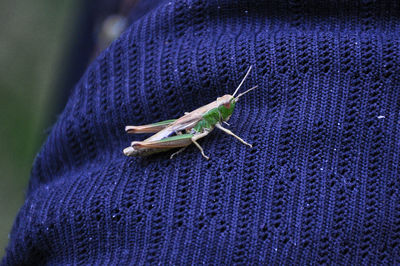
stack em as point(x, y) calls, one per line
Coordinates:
point(241, 83)
point(243, 93)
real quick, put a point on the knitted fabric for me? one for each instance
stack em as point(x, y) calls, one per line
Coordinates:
point(320, 185)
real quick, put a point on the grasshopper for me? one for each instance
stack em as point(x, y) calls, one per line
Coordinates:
point(181, 132)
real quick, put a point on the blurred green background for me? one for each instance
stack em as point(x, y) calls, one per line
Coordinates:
point(34, 39)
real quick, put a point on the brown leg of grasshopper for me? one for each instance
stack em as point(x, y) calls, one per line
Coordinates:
point(171, 142)
point(199, 136)
point(227, 131)
point(175, 153)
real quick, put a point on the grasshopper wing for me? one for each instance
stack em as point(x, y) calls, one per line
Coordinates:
point(185, 123)
point(189, 120)
point(151, 128)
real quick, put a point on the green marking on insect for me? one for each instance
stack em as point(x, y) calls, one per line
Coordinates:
point(181, 132)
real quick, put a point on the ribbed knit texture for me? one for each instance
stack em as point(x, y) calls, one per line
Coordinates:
point(320, 185)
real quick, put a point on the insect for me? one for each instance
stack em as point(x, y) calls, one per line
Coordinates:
point(181, 132)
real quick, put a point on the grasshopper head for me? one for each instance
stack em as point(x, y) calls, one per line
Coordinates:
point(226, 105)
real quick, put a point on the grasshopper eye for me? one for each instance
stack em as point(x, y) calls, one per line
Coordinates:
point(227, 105)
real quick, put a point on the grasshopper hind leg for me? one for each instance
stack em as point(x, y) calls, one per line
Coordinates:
point(194, 140)
point(177, 152)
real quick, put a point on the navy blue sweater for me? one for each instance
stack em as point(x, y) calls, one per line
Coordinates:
point(320, 185)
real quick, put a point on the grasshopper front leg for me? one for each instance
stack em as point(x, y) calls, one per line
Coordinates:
point(227, 131)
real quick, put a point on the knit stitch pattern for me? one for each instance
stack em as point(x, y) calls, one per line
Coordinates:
point(320, 185)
